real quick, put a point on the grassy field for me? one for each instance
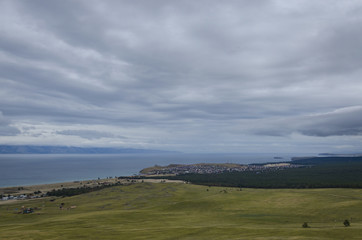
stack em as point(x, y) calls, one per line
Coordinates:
point(185, 211)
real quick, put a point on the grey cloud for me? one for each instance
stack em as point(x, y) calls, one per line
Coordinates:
point(89, 134)
point(5, 128)
point(340, 122)
point(153, 66)
point(346, 121)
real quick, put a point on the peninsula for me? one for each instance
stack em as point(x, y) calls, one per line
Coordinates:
point(214, 168)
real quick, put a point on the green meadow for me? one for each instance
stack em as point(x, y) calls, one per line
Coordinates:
point(186, 211)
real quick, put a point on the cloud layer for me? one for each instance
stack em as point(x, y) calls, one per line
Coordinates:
point(5, 127)
point(182, 75)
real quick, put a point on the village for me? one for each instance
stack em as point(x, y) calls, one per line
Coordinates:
point(177, 169)
point(20, 197)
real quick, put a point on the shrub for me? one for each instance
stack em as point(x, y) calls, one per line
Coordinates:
point(346, 223)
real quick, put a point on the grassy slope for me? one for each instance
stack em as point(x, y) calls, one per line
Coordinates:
point(183, 211)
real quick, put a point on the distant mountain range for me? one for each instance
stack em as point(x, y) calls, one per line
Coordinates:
point(29, 149)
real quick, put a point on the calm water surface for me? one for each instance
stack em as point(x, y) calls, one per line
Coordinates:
point(30, 169)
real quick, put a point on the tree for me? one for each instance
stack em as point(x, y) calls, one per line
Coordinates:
point(305, 225)
point(346, 223)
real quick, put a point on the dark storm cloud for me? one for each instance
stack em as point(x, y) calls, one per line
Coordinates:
point(341, 122)
point(338, 123)
point(186, 67)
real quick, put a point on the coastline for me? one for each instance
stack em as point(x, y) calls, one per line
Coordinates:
point(35, 169)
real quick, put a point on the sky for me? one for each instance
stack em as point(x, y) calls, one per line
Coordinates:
point(191, 76)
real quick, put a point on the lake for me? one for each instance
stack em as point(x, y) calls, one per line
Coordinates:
point(30, 169)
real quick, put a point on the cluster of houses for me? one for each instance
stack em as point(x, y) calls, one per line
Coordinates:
point(19, 197)
point(217, 168)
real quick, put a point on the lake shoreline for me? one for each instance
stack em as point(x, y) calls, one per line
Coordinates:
point(36, 169)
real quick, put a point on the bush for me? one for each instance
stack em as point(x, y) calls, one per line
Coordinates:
point(346, 223)
point(305, 225)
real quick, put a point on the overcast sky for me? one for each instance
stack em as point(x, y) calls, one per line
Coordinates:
point(193, 76)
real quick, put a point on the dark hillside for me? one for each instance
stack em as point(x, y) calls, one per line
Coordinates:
point(327, 160)
point(331, 172)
